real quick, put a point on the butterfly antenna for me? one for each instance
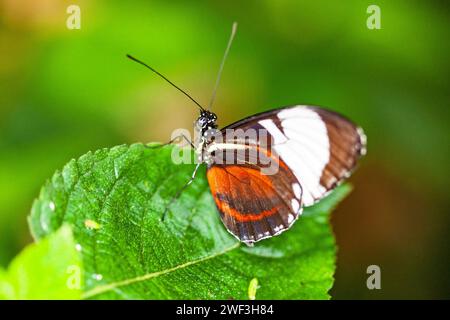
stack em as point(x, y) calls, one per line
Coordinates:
point(230, 41)
point(173, 84)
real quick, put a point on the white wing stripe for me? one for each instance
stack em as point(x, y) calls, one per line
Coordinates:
point(297, 112)
point(315, 148)
point(285, 148)
point(308, 156)
point(309, 149)
point(304, 124)
point(276, 133)
point(304, 176)
point(302, 143)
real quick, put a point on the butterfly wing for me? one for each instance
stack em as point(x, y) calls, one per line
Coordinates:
point(254, 206)
point(315, 150)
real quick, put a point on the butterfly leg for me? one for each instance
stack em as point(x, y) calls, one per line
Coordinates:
point(177, 195)
point(181, 136)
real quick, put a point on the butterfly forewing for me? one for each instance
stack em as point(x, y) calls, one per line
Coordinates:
point(321, 147)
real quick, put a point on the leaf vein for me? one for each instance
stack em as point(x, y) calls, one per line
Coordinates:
point(111, 286)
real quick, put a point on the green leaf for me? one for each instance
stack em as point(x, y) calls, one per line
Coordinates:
point(49, 269)
point(115, 198)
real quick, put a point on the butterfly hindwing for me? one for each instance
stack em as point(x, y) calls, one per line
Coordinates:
point(254, 206)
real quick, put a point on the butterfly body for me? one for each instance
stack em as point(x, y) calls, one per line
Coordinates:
point(205, 126)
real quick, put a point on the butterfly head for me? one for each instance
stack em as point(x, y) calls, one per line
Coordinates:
point(206, 121)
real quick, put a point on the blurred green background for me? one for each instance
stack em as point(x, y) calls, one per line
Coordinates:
point(64, 92)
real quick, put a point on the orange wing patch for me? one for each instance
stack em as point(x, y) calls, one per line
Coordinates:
point(253, 206)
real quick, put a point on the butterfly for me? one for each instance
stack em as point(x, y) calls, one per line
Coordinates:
point(316, 150)
point(310, 150)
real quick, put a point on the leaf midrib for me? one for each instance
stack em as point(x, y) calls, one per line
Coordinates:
point(113, 285)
